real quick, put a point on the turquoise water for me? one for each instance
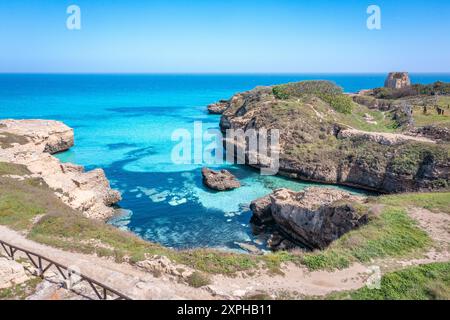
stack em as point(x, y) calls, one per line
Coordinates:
point(123, 124)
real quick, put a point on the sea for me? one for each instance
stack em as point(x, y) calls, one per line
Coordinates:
point(124, 124)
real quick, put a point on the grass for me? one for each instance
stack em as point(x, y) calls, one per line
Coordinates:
point(384, 123)
point(433, 201)
point(391, 234)
point(20, 291)
point(426, 282)
point(7, 168)
point(432, 117)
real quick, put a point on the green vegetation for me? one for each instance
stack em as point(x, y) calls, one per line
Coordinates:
point(391, 234)
point(409, 156)
point(20, 291)
point(433, 201)
point(298, 89)
point(434, 89)
point(339, 102)
point(422, 119)
point(7, 140)
point(393, 94)
point(325, 90)
point(437, 88)
point(198, 280)
point(7, 168)
point(382, 122)
point(16, 213)
point(426, 282)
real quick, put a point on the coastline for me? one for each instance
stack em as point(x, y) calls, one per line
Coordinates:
point(31, 143)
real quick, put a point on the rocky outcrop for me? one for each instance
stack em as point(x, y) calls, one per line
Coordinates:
point(317, 145)
point(314, 217)
point(88, 192)
point(383, 138)
point(432, 132)
point(221, 180)
point(11, 273)
point(218, 107)
point(397, 80)
point(262, 213)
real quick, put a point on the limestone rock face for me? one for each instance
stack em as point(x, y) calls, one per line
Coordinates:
point(44, 135)
point(11, 273)
point(219, 180)
point(397, 80)
point(314, 217)
point(218, 107)
point(88, 192)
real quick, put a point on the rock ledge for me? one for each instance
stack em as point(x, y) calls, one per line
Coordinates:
point(31, 143)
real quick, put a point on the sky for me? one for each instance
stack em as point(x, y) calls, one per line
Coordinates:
point(228, 36)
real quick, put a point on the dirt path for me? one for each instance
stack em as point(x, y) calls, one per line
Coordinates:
point(122, 277)
point(436, 224)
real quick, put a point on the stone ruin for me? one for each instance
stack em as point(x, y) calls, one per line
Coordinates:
point(397, 80)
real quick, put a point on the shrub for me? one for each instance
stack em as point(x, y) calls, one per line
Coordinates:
point(326, 90)
point(339, 102)
point(297, 89)
point(389, 93)
point(198, 280)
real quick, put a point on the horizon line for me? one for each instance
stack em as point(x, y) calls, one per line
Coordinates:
point(220, 73)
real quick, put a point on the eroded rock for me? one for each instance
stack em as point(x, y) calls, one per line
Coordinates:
point(314, 217)
point(88, 192)
point(262, 213)
point(11, 273)
point(221, 180)
point(218, 107)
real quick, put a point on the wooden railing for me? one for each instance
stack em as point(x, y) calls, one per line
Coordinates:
point(71, 277)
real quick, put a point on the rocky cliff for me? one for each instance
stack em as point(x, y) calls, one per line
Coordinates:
point(31, 143)
point(326, 138)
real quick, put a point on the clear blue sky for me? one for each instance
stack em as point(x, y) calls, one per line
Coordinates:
point(224, 36)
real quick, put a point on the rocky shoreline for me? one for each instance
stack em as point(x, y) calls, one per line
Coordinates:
point(31, 143)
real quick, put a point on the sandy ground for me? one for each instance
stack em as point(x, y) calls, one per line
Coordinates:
point(295, 283)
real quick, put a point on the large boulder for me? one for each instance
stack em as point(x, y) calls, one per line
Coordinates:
point(219, 180)
point(314, 217)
